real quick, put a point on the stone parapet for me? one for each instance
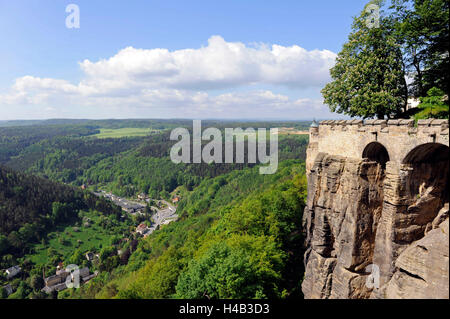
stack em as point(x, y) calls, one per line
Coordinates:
point(404, 123)
point(377, 202)
point(349, 138)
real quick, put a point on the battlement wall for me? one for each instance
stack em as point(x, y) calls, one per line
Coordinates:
point(349, 138)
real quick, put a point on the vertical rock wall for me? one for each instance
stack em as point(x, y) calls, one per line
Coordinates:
point(344, 206)
point(359, 213)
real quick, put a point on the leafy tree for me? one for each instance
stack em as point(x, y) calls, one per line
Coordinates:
point(125, 256)
point(8, 261)
point(111, 290)
point(422, 27)
point(368, 77)
point(77, 258)
point(223, 272)
point(158, 277)
point(433, 105)
point(22, 291)
point(4, 244)
point(15, 240)
point(36, 282)
point(3, 293)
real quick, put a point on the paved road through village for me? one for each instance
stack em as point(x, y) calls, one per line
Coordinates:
point(161, 216)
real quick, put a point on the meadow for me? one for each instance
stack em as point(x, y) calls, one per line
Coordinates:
point(124, 132)
point(66, 239)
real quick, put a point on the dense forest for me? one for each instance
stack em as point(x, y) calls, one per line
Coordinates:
point(125, 165)
point(237, 236)
point(30, 206)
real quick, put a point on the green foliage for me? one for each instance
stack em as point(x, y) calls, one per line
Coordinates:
point(433, 105)
point(157, 279)
point(40, 207)
point(77, 258)
point(124, 132)
point(36, 282)
point(3, 293)
point(368, 77)
point(246, 270)
point(142, 171)
point(239, 237)
point(45, 223)
point(4, 244)
point(422, 27)
point(23, 290)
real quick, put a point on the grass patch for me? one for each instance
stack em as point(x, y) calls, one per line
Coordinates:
point(124, 132)
point(66, 239)
point(291, 131)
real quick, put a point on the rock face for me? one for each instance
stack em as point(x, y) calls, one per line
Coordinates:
point(414, 277)
point(375, 229)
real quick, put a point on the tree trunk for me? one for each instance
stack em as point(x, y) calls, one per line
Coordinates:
point(416, 64)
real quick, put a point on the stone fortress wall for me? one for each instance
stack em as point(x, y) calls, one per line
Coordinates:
point(350, 138)
point(378, 194)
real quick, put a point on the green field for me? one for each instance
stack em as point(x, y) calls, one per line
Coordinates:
point(124, 132)
point(67, 239)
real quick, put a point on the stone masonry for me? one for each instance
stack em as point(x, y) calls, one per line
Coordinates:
point(376, 219)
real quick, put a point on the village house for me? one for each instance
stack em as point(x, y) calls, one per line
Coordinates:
point(12, 271)
point(89, 277)
point(176, 199)
point(57, 287)
point(412, 103)
point(142, 229)
point(57, 282)
point(83, 272)
point(56, 279)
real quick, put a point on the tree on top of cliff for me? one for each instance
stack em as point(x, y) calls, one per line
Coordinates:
point(422, 27)
point(369, 76)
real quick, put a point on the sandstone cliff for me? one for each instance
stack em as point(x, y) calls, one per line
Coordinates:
point(378, 230)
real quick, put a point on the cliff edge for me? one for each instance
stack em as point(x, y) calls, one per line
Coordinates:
point(376, 225)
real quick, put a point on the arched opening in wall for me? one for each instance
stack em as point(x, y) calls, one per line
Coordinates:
point(376, 152)
point(427, 153)
point(426, 170)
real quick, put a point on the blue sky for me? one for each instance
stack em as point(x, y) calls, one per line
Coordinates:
point(241, 74)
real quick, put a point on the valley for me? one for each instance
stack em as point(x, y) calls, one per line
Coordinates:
point(141, 218)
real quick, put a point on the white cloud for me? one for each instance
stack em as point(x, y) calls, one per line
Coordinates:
point(180, 82)
point(219, 65)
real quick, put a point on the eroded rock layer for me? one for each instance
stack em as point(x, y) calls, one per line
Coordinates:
point(363, 215)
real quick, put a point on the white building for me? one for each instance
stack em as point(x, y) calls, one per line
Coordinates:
point(412, 103)
point(12, 271)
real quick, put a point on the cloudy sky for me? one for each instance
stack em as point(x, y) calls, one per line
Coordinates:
point(243, 59)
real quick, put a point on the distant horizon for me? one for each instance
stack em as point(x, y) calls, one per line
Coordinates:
point(168, 119)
